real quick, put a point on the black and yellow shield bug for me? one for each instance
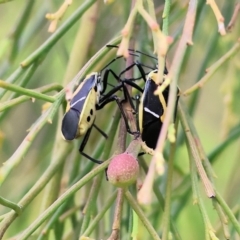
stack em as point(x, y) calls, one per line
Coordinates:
point(87, 98)
point(80, 113)
point(151, 108)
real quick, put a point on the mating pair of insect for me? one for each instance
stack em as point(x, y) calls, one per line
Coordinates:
point(90, 96)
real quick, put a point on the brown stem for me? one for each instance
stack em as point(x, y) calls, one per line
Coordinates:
point(117, 216)
point(234, 17)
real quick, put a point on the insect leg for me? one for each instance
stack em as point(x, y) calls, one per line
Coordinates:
point(83, 144)
point(105, 79)
point(115, 98)
point(137, 99)
point(103, 133)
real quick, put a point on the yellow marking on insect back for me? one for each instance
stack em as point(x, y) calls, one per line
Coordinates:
point(89, 105)
point(153, 75)
point(164, 105)
point(75, 92)
point(140, 114)
point(147, 149)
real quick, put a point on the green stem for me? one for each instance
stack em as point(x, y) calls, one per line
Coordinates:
point(11, 103)
point(142, 217)
point(174, 73)
point(160, 199)
point(11, 205)
point(223, 219)
point(53, 39)
point(165, 16)
point(211, 70)
point(91, 202)
point(167, 211)
point(12, 78)
point(24, 81)
point(116, 225)
point(64, 150)
point(21, 24)
point(60, 210)
point(189, 132)
point(233, 135)
point(14, 102)
point(196, 196)
point(79, 54)
point(27, 92)
point(228, 212)
point(99, 216)
point(91, 64)
point(17, 156)
point(48, 212)
point(52, 191)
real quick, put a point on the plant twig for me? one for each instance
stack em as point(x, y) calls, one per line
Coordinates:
point(88, 67)
point(49, 211)
point(79, 55)
point(99, 216)
point(7, 203)
point(218, 15)
point(36, 189)
point(135, 206)
point(15, 159)
point(59, 211)
point(18, 29)
point(228, 212)
point(14, 102)
point(234, 17)
point(173, 76)
point(27, 92)
point(52, 40)
point(209, 231)
point(211, 70)
point(209, 188)
point(233, 135)
point(115, 235)
point(91, 202)
point(223, 219)
point(55, 17)
point(167, 205)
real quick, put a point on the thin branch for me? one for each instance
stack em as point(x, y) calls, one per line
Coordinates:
point(99, 216)
point(16, 158)
point(135, 206)
point(9, 204)
point(209, 188)
point(218, 15)
point(115, 235)
point(38, 186)
point(25, 91)
point(56, 17)
point(234, 17)
point(228, 212)
point(54, 38)
point(211, 70)
point(49, 211)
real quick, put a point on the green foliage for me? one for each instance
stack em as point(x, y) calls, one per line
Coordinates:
point(49, 190)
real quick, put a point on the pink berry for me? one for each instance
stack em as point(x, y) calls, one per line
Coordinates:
point(123, 170)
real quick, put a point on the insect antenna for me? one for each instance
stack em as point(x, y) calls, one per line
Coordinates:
point(133, 54)
point(132, 50)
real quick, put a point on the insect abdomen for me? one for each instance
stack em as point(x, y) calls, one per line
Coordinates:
point(70, 124)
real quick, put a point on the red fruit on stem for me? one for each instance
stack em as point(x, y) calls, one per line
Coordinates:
point(123, 170)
